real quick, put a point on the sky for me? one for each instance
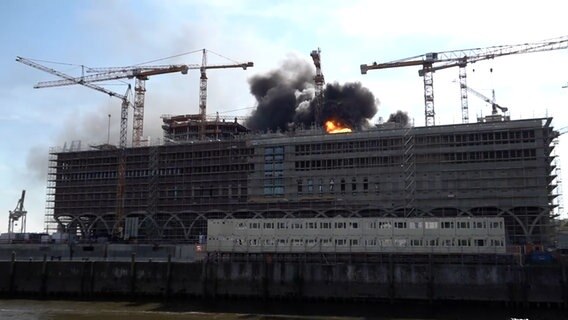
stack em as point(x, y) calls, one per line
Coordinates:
point(107, 33)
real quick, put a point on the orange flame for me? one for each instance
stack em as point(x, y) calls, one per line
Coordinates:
point(334, 126)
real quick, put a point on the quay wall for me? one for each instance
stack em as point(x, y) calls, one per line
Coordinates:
point(273, 279)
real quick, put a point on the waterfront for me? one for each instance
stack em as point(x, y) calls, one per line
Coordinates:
point(258, 310)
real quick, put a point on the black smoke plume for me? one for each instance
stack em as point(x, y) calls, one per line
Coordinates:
point(285, 100)
point(399, 117)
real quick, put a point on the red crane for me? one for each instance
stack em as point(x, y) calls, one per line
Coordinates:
point(434, 61)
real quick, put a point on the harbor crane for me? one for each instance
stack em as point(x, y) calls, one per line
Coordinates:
point(319, 81)
point(434, 61)
point(17, 214)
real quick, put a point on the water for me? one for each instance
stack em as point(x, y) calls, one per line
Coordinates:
point(253, 310)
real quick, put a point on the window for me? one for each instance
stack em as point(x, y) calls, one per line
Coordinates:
point(400, 225)
point(447, 225)
point(400, 242)
point(340, 225)
point(325, 225)
point(415, 225)
point(431, 225)
point(269, 225)
point(479, 242)
point(384, 225)
point(296, 225)
point(331, 185)
point(371, 242)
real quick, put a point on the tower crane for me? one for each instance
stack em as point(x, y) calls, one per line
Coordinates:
point(434, 61)
point(123, 129)
point(72, 80)
point(203, 86)
point(140, 73)
point(319, 81)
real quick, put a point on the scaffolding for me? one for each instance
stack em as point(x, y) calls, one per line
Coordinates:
point(500, 169)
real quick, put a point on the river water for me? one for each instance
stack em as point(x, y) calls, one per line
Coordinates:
point(253, 310)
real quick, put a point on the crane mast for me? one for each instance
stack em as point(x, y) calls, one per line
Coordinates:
point(435, 61)
point(203, 95)
point(319, 81)
point(203, 87)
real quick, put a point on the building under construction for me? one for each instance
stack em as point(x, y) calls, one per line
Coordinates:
point(494, 168)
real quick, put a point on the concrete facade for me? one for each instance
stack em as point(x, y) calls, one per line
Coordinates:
point(503, 169)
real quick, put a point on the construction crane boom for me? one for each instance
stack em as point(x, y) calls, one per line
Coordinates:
point(69, 78)
point(494, 105)
point(140, 73)
point(72, 80)
point(435, 61)
point(109, 74)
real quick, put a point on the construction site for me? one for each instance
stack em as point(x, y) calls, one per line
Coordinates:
point(325, 162)
point(307, 197)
